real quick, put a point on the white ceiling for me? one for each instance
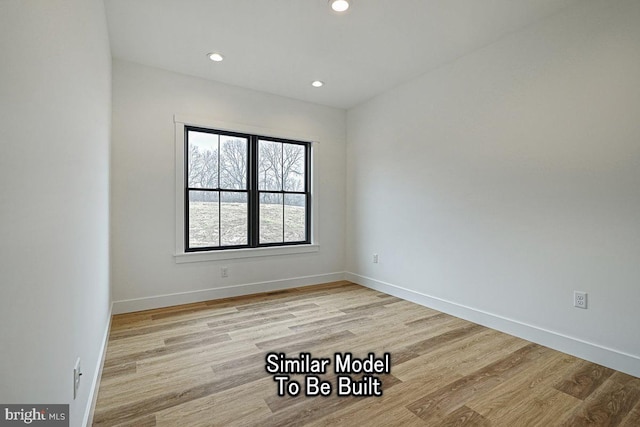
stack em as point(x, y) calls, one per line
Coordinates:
point(280, 46)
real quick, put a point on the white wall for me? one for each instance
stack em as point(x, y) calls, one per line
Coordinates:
point(509, 178)
point(55, 111)
point(143, 187)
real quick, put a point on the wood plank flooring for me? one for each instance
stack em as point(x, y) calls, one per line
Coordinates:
point(204, 365)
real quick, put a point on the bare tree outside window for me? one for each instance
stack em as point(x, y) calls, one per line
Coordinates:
point(203, 160)
point(233, 163)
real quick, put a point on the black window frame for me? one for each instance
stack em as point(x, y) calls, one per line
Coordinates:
point(252, 190)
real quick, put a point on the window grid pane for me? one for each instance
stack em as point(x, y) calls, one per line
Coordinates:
point(293, 167)
point(234, 219)
point(233, 162)
point(204, 219)
point(202, 160)
point(271, 218)
point(269, 166)
point(295, 217)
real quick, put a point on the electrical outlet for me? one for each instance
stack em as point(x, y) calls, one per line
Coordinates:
point(224, 272)
point(580, 299)
point(375, 258)
point(77, 373)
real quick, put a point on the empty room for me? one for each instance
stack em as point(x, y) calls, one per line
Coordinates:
point(320, 213)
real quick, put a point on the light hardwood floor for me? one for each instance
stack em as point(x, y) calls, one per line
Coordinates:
point(204, 365)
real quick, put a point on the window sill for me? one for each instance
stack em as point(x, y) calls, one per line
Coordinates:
point(244, 253)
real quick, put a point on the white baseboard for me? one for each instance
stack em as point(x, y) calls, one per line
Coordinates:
point(595, 353)
point(139, 304)
point(95, 383)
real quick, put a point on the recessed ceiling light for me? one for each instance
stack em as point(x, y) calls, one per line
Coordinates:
point(317, 83)
point(339, 5)
point(214, 56)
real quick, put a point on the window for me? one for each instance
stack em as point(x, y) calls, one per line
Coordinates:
point(244, 191)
